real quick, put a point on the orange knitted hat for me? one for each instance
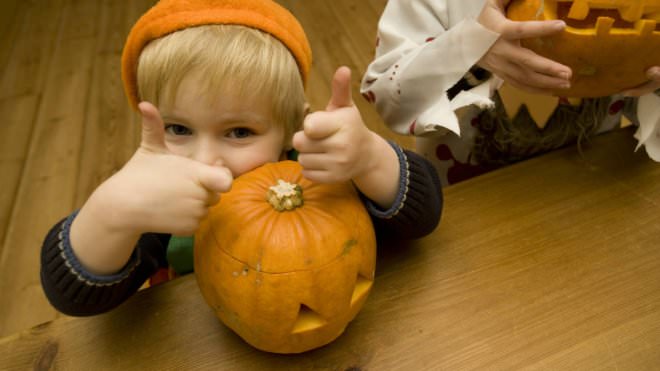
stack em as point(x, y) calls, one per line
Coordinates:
point(168, 16)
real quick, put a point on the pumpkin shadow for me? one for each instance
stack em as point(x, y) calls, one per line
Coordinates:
point(394, 253)
point(141, 327)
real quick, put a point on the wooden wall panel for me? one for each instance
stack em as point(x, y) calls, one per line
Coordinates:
point(48, 180)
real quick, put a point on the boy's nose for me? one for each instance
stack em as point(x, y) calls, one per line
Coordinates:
point(208, 154)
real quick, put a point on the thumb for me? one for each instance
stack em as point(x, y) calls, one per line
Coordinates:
point(341, 90)
point(153, 132)
point(215, 178)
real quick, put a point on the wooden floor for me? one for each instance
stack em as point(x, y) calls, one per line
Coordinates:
point(66, 124)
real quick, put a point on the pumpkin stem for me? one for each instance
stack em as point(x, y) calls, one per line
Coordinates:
point(285, 196)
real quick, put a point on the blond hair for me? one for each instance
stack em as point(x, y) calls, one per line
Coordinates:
point(231, 58)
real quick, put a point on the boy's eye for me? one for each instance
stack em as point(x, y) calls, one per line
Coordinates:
point(177, 129)
point(240, 133)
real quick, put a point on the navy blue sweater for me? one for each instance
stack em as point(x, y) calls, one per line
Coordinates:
point(74, 291)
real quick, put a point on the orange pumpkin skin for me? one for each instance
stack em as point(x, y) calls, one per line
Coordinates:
point(286, 281)
point(609, 44)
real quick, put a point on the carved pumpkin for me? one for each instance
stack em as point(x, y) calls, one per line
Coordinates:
point(609, 44)
point(284, 262)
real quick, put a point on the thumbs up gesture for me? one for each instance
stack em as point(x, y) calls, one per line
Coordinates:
point(162, 192)
point(335, 145)
point(332, 142)
point(156, 191)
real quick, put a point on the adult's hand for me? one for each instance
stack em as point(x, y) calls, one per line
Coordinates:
point(516, 65)
point(653, 84)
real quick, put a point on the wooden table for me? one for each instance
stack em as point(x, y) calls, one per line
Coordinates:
point(550, 264)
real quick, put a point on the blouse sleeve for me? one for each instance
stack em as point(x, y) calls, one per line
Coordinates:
point(423, 50)
point(417, 208)
point(74, 291)
point(648, 131)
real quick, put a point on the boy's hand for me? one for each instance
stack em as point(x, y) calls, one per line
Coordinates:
point(157, 191)
point(334, 143)
point(650, 86)
point(518, 66)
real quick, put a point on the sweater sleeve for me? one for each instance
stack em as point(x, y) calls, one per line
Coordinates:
point(74, 291)
point(425, 48)
point(417, 208)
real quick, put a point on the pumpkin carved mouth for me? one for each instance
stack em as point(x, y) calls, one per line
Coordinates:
point(609, 44)
point(628, 10)
point(584, 14)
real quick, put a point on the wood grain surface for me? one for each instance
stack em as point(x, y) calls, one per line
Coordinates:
point(550, 264)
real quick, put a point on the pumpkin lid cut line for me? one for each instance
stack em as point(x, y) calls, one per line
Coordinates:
point(345, 251)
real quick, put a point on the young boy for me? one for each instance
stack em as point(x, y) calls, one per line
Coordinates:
point(220, 87)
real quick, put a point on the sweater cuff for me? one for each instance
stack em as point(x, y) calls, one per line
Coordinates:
point(399, 201)
point(76, 268)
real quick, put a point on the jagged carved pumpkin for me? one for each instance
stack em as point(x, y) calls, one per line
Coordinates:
point(609, 44)
point(286, 263)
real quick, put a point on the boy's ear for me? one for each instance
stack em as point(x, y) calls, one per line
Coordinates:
point(288, 145)
point(307, 109)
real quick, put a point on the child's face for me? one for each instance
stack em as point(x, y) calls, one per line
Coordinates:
point(238, 133)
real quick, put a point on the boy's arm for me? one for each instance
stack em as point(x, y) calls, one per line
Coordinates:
point(156, 191)
point(99, 256)
point(403, 191)
point(336, 146)
point(417, 208)
point(75, 291)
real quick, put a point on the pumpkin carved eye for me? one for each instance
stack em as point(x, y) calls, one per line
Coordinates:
point(609, 45)
point(284, 262)
point(362, 287)
point(307, 320)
